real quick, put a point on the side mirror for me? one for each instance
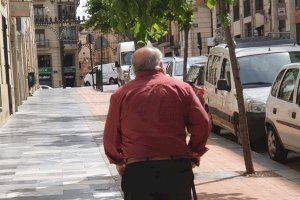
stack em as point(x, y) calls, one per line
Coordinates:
point(223, 85)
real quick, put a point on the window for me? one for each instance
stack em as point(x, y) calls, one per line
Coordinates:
point(287, 88)
point(226, 72)
point(178, 68)
point(211, 75)
point(277, 83)
point(66, 11)
point(44, 61)
point(259, 5)
point(297, 2)
point(196, 75)
point(261, 70)
point(169, 68)
point(38, 11)
point(69, 35)
point(40, 35)
point(236, 10)
point(247, 10)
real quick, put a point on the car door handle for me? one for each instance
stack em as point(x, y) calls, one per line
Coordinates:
point(294, 115)
point(274, 111)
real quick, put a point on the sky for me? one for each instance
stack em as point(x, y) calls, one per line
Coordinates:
point(81, 9)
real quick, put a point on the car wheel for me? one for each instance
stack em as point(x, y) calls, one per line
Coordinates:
point(111, 81)
point(275, 150)
point(214, 128)
point(87, 83)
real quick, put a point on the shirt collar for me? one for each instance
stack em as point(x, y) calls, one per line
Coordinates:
point(148, 73)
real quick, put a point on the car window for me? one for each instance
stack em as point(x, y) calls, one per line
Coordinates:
point(196, 75)
point(211, 75)
point(169, 68)
point(226, 71)
point(287, 88)
point(178, 68)
point(277, 84)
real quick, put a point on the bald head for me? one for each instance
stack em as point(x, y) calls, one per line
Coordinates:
point(146, 58)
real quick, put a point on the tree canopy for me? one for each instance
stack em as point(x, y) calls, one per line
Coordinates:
point(142, 19)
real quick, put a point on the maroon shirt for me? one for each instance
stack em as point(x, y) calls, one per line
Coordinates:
point(148, 116)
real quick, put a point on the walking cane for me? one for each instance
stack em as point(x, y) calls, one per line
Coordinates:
point(197, 162)
point(194, 191)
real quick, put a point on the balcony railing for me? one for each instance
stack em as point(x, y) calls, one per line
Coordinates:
point(42, 43)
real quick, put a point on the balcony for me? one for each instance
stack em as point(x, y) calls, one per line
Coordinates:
point(42, 43)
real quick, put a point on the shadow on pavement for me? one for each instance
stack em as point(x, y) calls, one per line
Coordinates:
point(218, 196)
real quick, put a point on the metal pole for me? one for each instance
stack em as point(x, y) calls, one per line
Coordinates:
point(61, 43)
point(101, 62)
point(92, 64)
point(271, 16)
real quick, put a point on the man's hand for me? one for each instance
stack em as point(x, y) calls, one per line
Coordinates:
point(195, 159)
point(120, 169)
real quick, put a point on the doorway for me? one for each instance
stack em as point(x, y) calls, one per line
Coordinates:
point(6, 64)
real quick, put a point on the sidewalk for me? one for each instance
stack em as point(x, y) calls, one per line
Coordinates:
point(220, 174)
point(48, 150)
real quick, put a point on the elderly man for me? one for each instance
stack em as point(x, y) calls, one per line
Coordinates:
point(145, 132)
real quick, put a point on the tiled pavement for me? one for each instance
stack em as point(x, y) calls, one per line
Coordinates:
point(50, 150)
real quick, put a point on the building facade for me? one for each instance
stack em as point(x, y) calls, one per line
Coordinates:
point(18, 63)
point(257, 17)
point(57, 40)
point(172, 44)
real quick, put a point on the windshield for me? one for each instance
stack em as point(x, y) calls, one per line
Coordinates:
point(179, 68)
point(261, 70)
point(126, 58)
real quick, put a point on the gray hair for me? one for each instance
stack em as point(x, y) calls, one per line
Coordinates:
point(149, 60)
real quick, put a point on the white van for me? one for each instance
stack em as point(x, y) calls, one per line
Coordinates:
point(125, 51)
point(109, 74)
point(259, 62)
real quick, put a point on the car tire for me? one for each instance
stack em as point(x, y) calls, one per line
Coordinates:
point(214, 128)
point(87, 83)
point(111, 81)
point(275, 149)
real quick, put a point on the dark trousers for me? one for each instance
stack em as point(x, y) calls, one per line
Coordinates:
point(158, 180)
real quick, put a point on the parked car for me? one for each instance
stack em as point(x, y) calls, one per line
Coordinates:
point(283, 114)
point(175, 67)
point(45, 87)
point(195, 78)
point(259, 62)
point(109, 74)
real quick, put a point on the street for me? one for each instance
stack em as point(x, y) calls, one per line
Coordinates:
point(52, 149)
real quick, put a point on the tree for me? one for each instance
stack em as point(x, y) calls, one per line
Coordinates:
point(226, 22)
point(142, 19)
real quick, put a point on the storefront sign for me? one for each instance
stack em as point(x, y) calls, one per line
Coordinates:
point(20, 8)
point(45, 71)
point(281, 11)
point(70, 69)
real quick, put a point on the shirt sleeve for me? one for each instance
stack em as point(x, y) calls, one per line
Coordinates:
point(198, 124)
point(112, 136)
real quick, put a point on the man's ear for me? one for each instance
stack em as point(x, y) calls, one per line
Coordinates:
point(161, 65)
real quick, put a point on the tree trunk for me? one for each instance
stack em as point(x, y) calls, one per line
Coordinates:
point(240, 100)
point(186, 46)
